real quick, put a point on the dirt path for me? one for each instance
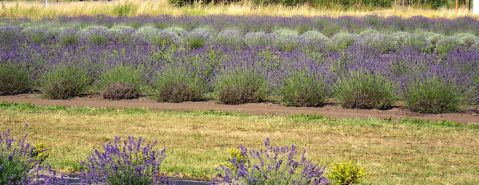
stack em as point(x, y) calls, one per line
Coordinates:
point(257, 108)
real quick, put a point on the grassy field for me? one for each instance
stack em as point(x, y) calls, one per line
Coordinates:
point(393, 152)
point(37, 10)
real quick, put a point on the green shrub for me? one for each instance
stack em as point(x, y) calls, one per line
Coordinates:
point(65, 82)
point(123, 34)
point(379, 41)
point(313, 39)
point(97, 35)
point(177, 84)
point(256, 39)
point(364, 91)
point(241, 86)
point(346, 173)
point(14, 79)
point(68, 36)
point(342, 41)
point(407, 40)
point(198, 38)
point(121, 82)
point(461, 40)
point(305, 90)
point(286, 40)
point(432, 96)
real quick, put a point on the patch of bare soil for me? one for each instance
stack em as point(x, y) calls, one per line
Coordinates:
point(255, 108)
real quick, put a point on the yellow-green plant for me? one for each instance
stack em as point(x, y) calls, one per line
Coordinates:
point(345, 173)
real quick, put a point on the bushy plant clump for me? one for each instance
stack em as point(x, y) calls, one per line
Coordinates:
point(178, 84)
point(14, 79)
point(342, 41)
point(120, 91)
point(130, 161)
point(345, 173)
point(256, 39)
point(230, 38)
point(241, 86)
point(304, 90)
point(270, 165)
point(433, 96)
point(364, 91)
point(121, 82)
point(21, 163)
point(198, 38)
point(68, 36)
point(314, 40)
point(65, 82)
point(96, 35)
point(286, 40)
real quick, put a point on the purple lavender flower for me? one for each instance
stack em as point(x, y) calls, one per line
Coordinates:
point(130, 161)
point(270, 165)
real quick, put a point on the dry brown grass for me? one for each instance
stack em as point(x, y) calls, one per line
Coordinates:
point(37, 10)
point(407, 152)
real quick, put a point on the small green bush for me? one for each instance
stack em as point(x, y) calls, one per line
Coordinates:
point(97, 35)
point(342, 41)
point(286, 40)
point(346, 173)
point(432, 96)
point(177, 84)
point(14, 79)
point(121, 82)
point(122, 74)
point(124, 9)
point(304, 90)
point(68, 36)
point(241, 86)
point(198, 38)
point(65, 82)
point(364, 91)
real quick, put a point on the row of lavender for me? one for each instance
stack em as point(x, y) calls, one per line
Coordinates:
point(304, 69)
point(134, 161)
point(326, 25)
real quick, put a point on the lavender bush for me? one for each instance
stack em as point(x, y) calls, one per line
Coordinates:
point(303, 89)
point(21, 163)
point(270, 165)
point(433, 96)
point(241, 86)
point(130, 161)
point(14, 79)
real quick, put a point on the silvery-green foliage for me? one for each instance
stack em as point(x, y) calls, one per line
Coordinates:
point(168, 38)
point(177, 30)
point(285, 39)
point(432, 39)
point(379, 41)
point(68, 36)
point(147, 34)
point(122, 33)
point(95, 34)
point(40, 33)
point(341, 41)
point(313, 39)
point(457, 41)
point(409, 40)
point(198, 37)
point(256, 39)
point(230, 37)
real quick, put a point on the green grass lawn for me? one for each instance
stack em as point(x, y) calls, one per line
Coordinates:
point(393, 152)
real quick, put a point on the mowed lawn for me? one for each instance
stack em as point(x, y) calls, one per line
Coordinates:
point(392, 151)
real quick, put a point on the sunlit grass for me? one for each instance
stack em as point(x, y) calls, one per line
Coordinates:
point(393, 152)
point(37, 10)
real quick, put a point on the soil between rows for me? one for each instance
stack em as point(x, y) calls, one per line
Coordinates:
point(470, 116)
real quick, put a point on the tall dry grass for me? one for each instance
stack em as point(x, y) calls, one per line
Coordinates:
point(38, 10)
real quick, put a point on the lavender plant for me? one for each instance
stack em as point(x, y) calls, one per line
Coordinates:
point(363, 90)
point(130, 161)
point(14, 79)
point(65, 82)
point(270, 165)
point(21, 163)
point(178, 84)
point(241, 86)
point(433, 95)
point(303, 89)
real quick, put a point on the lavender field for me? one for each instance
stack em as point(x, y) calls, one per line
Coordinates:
point(303, 61)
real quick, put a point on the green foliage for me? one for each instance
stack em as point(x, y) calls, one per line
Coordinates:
point(241, 86)
point(14, 79)
point(40, 152)
point(346, 173)
point(304, 90)
point(342, 41)
point(122, 74)
point(65, 82)
point(98, 35)
point(120, 91)
point(12, 171)
point(178, 84)
point(68, 36)
point(286, 40)
point(433, 96)
point(364, 91)
point(124, 9)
